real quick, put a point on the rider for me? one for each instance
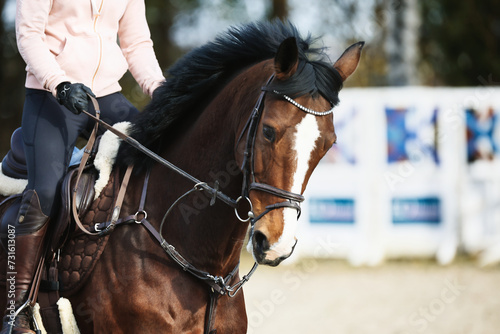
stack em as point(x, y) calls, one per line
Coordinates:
point(71, 50)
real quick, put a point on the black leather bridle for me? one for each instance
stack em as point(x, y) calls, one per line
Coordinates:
point(292, 200)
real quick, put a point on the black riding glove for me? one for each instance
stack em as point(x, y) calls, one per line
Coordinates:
point(74, 96)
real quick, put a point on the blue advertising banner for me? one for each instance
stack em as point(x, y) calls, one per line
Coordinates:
point(416, 210)
point(332, 210)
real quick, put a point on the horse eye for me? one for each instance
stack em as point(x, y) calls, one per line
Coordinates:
point(269, 133)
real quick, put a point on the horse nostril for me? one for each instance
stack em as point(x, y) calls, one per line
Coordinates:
point(260, 242)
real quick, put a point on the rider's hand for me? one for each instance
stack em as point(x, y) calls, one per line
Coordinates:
point(74, 96)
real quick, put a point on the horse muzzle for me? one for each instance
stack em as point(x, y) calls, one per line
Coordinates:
point(263, 253)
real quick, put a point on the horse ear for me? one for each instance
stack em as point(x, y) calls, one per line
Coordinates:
point(286, 59)
point(348, 62)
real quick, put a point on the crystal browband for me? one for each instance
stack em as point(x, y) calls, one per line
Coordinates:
point(301, 107)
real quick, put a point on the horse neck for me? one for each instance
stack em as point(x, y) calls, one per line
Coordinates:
point(208, 236)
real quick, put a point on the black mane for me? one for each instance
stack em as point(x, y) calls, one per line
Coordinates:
point(196, 74)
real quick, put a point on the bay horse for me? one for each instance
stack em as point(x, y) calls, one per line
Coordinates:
point(249, 114)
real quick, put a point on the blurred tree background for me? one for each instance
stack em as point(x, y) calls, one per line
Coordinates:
point(408, 42)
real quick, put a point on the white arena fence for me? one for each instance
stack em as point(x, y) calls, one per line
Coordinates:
point(415, 173)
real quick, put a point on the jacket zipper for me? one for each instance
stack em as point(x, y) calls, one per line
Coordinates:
point(96, 17)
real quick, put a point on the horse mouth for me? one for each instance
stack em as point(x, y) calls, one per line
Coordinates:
point(263, 257)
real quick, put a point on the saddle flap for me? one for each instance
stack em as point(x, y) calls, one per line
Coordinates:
point(84, 197)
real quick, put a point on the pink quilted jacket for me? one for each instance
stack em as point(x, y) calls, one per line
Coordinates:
point(76, 41)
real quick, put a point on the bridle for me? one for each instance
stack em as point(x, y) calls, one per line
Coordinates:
point(292, 200)
point(218, 285)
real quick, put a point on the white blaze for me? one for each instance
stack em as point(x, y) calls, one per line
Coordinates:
point(306, 134)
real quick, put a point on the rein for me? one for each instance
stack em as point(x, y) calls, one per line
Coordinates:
point(215, 193)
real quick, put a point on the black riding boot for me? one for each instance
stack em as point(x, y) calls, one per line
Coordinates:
point(30, 230)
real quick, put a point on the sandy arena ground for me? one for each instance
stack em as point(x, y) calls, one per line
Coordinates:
point(399, 297)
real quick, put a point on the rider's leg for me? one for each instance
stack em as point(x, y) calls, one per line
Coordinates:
point(50, 132)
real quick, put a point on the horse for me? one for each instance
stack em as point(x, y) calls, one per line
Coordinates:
point(250, 114)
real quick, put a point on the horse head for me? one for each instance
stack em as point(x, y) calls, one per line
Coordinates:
point(294, 132)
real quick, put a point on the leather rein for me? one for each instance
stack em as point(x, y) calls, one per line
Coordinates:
point(218, 285)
